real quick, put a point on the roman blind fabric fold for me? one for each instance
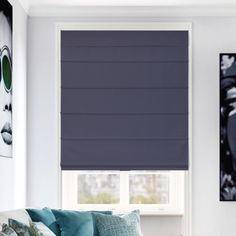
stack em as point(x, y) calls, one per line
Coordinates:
point(124, 100)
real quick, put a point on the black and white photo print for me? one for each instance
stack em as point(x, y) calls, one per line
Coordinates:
point(5, 79)
point(228, 127)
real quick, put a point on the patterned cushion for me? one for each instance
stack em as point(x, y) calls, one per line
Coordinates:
point(115, 225)
point(20, 228)
point(45, 216)
point(6, 230)
point(39, 229)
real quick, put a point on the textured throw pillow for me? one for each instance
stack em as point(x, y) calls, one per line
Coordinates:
point(115, 225)
point(6, 230)
point(39, 229)
point(73, 223)
point(45, 216)
point(96, 233)
point(20, 228)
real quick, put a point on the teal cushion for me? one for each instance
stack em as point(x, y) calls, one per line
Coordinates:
point(116, 225)
point(77, 223)
point(20, 228)
point(73, 223)
point(96, 232)
point(45, 216)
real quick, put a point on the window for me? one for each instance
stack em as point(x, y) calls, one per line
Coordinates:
point(121, 189)
point(153, 192)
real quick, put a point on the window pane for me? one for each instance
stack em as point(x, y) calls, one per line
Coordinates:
point(98, 188)
point(149, 188)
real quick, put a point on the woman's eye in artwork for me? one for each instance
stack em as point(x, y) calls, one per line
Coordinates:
point(6, 69)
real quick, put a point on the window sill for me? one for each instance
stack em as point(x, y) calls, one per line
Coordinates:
point(159, 213)
point(143, 212)
point(153, 213)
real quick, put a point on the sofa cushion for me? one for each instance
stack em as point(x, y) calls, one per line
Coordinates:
point(19, 215)
point(6, 230)
point(45, 216)
point(78, 223)
point(20, 228)
point(39, 229)
point(115, 225)
point(74, 223)
point(96, 233)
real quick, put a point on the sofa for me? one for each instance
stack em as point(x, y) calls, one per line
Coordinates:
point(54, 222)
point(19, 215)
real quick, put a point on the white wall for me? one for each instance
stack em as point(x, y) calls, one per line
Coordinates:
point(211, 35)
point(13, 171)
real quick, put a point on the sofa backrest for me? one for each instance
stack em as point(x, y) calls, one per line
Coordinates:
point(19, 215)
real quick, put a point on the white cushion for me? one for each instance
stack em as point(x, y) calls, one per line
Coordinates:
point(19, 215)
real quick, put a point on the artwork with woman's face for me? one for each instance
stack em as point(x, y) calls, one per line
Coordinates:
point(228, 127)
point(5, 79)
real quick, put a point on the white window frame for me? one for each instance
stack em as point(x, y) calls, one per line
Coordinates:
point(174, 207)
point(116, 23)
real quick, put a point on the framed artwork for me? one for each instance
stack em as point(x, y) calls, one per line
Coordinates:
point(5, 79)
point(228, 127)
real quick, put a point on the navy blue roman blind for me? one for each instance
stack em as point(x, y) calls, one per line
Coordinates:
point(124, 100)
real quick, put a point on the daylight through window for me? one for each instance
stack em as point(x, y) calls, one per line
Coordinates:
point(149, 191)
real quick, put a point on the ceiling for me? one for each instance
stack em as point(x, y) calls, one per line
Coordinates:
point(44, 4)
